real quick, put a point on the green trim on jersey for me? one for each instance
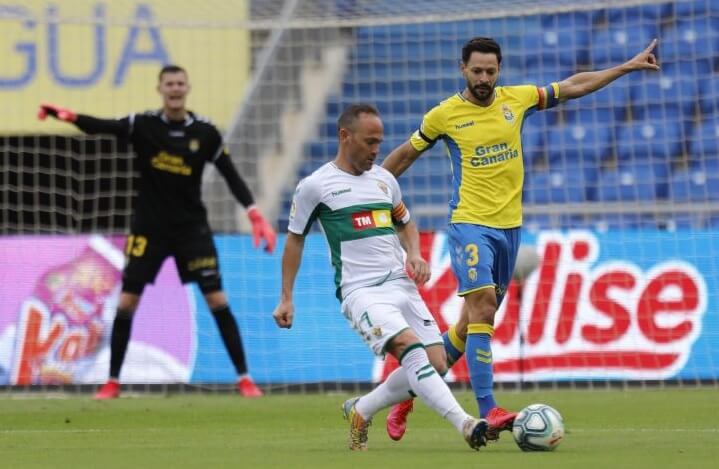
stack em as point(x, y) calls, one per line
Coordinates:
point(338, 227)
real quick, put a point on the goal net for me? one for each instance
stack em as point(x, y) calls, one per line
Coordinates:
point(617, 275)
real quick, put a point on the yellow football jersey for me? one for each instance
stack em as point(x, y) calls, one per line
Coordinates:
point(484, 145)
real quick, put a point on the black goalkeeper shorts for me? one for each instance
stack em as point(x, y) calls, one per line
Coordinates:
point(193, 250)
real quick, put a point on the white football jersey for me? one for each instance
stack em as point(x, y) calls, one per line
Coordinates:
point(356, 214)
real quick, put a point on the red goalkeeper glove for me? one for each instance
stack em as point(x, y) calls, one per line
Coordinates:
point(261, 230)
point(57, 112)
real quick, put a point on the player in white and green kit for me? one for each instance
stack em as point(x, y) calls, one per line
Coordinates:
point(360, 210)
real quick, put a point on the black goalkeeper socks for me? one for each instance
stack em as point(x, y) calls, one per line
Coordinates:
point(231, 337)
point(118, 341)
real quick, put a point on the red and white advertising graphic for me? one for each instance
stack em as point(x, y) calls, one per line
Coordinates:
point(57, 307)
point(61, 326)
point(576, 317)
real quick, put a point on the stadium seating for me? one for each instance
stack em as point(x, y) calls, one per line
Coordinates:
point(618, 144)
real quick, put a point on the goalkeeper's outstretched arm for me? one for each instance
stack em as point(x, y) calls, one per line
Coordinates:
point(88, 124)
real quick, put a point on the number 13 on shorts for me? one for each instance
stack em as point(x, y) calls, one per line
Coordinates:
point(136, 245)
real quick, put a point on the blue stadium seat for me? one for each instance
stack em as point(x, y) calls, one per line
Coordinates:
point(619, 43)
point(633, 181)
point(665, 93)
point(623, 221)
point(651, 13)
point(325, 148)
point(694, 39)
point(540, 121)
point(560, 49)
point(542, 76)
point(608, 105)
point(587, 143)
point(712, 222)
point(651, 140)
point(572, 21)
point(535, 223)
point(533, 143)
point(687, 9)
point(560, 183)
point(709, 95)
point(683, 221)
point(699, 182)
point(705, 140)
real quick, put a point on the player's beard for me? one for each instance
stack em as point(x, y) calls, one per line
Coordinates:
point(481, 92)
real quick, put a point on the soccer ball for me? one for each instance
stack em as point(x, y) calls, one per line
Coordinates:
point(538, 427)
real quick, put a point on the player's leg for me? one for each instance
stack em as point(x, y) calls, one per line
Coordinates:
point(145, 255)
point(480, 251)
point(455, 337)
point(431, 389)
point(506, 247)
point(376, 313)
point(423, 324)
point(472, 263)
point(230, 332)
point(197, 261)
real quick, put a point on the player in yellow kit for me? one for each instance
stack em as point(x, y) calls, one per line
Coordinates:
point(481, 128)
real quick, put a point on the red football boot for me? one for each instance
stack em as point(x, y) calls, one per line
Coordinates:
point(499, 420)
point(247, 388)
point(397, 419)
point(109, 390)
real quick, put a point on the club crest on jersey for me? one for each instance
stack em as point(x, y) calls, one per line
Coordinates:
point(194, 145)
point(508, 116)
point(384, 187)
point(472, 274)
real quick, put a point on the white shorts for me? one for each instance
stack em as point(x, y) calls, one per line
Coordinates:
point(380, 313)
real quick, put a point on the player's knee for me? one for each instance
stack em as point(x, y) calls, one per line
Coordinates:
point(481, 306)
point(401, 342)
point(216, 300)
point(482, 313)
point(128, 303)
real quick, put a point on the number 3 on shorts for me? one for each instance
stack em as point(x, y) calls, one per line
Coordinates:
point(136, 245)
point(472, 254)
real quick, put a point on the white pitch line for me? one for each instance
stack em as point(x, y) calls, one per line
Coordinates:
point(645, 429)
point(86, 430)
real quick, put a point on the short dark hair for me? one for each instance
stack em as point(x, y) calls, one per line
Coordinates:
point(485, 45)
point(352, 113)
point(170, 68)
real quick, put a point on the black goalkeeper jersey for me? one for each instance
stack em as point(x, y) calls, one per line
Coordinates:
point(171, 157)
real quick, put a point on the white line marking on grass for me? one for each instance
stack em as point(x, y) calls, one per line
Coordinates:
point(645, 429)
point(37, 430)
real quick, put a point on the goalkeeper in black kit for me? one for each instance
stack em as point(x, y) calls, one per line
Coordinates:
point(169, 219)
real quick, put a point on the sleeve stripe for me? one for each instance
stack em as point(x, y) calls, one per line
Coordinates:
point(424, 137)
point(218, 153)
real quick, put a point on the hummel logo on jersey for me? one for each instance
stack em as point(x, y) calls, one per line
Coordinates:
point(464, 125)
point(340, 192)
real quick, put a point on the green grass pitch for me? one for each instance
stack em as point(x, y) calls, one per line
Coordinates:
point(653, 428)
